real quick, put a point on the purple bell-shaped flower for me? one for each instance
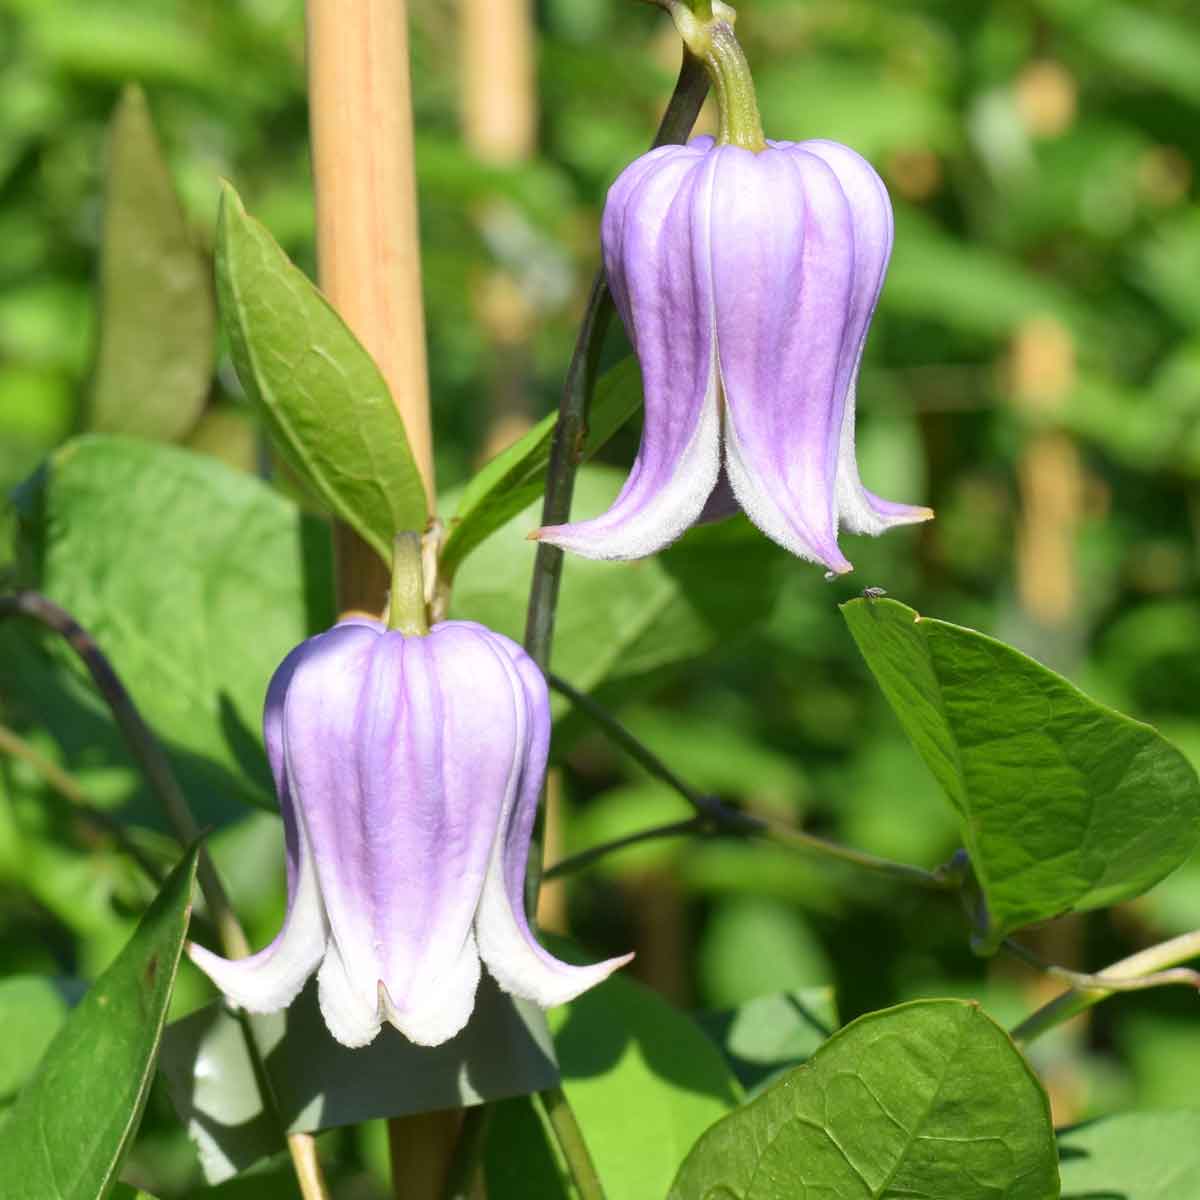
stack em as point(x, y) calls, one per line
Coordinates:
point(408, 770)
point(746, 281)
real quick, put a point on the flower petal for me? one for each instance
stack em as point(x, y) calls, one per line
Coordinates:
point(654, 235)
point(321, 727)
point(352, 1015)
point(860, 510)
point(512, 954)
point(272, 978)
point(783, 263)
point(440, 738)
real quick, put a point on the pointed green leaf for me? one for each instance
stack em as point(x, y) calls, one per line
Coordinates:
point(927, 1100)
point(1063, 804)
point(193, 578)
point(320, 393)
point(516, 477)
point(1133, 1156)
point(154, 361)
point(70, 1127)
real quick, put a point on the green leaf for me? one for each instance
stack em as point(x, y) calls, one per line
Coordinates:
point(928, 1100)
point(643, 1081)
point(623, 620)
point(516, 477)
point(154, 361)
point(194, 579)
point(771, 1033)
point(1134, 1156)
point(70, 1127)
point(32, 1008)
point(1063, 804)
point(320, 393)
point(317, 1084)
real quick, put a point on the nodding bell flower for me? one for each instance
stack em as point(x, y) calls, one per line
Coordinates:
point(408, 770)
point(746, 281)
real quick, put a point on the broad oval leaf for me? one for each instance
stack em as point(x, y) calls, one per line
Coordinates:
point(194, 579)
point(1134, 1156)
point(154, 360)
point(70, 1127)
point(930, 1100)
point(516, 477)
point(328, 409)
point(1063, 804)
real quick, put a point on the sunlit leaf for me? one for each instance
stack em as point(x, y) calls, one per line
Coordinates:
point(1063, 804)
point(194, 579)
point(927, 1100)
point(320, 393)
point(1137, 1156)
point(70, 1127)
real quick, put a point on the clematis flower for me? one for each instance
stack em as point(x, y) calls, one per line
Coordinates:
point(746, 282)
point(408, 770)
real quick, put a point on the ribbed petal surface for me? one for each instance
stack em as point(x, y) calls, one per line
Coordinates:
point(861, 511)
point(511, 953)
point(655, 241)
point(783, 271)
point(408, 771)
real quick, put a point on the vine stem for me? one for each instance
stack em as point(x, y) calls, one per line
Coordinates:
point(1147, 968)
point(570, 434)
point(714, 817)
point(156, 768)
point(369, 266)
point(571, 1142)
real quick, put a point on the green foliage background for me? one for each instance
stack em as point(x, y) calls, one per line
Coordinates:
point(1041, 156)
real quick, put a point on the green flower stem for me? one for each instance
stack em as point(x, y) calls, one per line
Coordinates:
point(466, 1164)
point(156, 768)
point(585, 858)
point(65, 785)
point(406, 601)
point(1152, 967)
point(707, 31)
point(714, 817)
point(570, 1141)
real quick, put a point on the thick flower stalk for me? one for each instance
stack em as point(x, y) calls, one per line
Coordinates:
point(746, 281)
point(408, 770)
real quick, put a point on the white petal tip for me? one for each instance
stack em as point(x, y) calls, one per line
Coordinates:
point(430, 1027)
point(611, 546)
point(249, 984)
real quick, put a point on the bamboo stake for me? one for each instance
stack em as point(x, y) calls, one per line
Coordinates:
point(368, 251)
point(499, 98)
point(368, 256)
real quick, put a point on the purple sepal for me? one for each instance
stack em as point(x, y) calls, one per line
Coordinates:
point(746, 283)
point(408, 771)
